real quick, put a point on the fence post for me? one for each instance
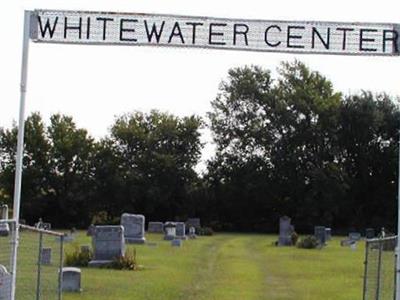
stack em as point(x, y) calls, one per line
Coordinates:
point(365, 270)
point(60, 275)
point(39, 266)
point(378, 283)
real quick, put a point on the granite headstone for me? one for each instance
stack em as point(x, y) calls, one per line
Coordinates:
point(285, 231)
point(134, 228)
point(156, 227)
point(71, 279)
point(320, 234)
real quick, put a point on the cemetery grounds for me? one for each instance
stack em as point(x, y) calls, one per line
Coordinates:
point(227, 267)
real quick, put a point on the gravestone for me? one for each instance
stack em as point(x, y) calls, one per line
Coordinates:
point(108, 243)
point(181, 231)
point(320, 234)
point(133, 228)
point(45, 256)
point(4, 212)
point(156, 227)
point(355, 236)
point(90, 230)
point(5, 284)
point(285, 231)
point(370, 233)
point(328, 233)
point(176, 243)
point(71, 279)
point(170, 231)
point(192, 233)
point(4, 228)
point(194, 222)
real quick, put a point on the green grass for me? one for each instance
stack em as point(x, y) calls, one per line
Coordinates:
point(229, 267)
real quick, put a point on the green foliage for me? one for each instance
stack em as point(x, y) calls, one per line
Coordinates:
point(309, 242)
point(294, 237)
point(205, 231)
point(127, 262)
point(78, 258)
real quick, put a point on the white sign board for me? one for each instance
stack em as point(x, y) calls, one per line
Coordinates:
point(75, 27)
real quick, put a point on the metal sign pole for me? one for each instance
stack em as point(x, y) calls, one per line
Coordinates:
point(20, 149)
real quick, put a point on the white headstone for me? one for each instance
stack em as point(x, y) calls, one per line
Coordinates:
point(170, 231)
point(71, 279)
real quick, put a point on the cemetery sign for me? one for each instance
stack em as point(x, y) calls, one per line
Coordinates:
point(76, 27)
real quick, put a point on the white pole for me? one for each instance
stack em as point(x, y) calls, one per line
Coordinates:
point(20, 149)
point(398, 231)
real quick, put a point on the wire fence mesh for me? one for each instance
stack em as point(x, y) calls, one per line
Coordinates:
point(7, 229)
point(380, 269)
point(40, 255)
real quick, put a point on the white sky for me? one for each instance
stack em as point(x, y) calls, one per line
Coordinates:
point(95, 83)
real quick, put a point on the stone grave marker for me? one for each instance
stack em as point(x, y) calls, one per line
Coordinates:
point(320, 234)
point(195, 222)
point(176, 243)
point(71, 279)
point(4, 228)
point(108, 242)
point(355, 236)
point(370, 233)
point(4, 212)
point(156, 227)
point(170, 231)
point(328, 233)
point(192, 233)
point(181, 231)
point(5, 283)
point(46, 256)
point(285, 231)
point(133, 228)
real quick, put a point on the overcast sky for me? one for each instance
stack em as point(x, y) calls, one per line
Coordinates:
point(95, 83)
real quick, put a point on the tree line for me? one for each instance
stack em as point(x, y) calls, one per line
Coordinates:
point(285, 145)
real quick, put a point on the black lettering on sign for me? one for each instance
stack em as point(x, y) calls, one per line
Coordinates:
point(212, 33)
point(154, 31)
point(364, 40)
point(88, 28)
point(123, 29)
point(47, 27)
point(291, 36)
point(276, 44)
point(176, 31)
point(194, 25)
point(105, 20)
point(394, 37)
point(242, 29)
point(344, 40)
point(66, 27)
point(325, 42)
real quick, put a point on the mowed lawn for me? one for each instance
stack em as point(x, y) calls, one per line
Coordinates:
point(229, 267)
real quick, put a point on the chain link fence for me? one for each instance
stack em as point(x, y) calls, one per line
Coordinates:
point(380, 269)
point(40, 257)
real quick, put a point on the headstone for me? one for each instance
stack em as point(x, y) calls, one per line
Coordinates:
point(176, 243)
point(90, 230)
point(320, 234)
point(192, 233)
point(181, 231)
point(370, 233)
point(46, 256)
point(108, 243)
point(328, 233)
point(71, 279)
point(346, 243)
point(5, 284)
point(156, 227)
point(355, 236)
point(170, 231)
point(4, 228)
point(133, 228)
point(285, 231)
point(195, 222)
point(4, 212)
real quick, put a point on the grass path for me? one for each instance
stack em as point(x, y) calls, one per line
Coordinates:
point(229, 267)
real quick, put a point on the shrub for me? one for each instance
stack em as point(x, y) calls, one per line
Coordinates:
point(206, 231)
point(78, 258)
point(294, 237)
point(309, 242)
point(127, 262)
